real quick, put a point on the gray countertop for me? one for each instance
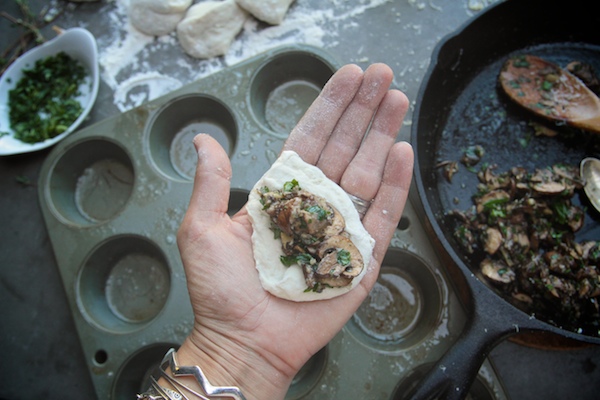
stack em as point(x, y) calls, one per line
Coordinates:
point(40, 349)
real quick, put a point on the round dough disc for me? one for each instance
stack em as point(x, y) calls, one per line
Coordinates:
point(288, 282)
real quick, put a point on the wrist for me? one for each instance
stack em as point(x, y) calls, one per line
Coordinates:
point(227, 363)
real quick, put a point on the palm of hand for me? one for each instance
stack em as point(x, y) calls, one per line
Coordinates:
point(228, 299)
point(232, 311)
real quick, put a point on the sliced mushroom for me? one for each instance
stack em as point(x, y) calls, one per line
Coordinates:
point(491, 180)
point(340, 261)
point(352, 261)
point(549, 187)
point(302, 212)
point(287, 243)
point(493, 240)
point(450, 168)
point(590, 250)
point(491, 197)
point(523, 224)
point(523, 298)
point(542, 130)
point(309, 226)
point(331, 272)
point(497, 272)
point(576, 218)
point(337, 224)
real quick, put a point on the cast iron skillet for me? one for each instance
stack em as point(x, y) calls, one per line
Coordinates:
point(460, 104)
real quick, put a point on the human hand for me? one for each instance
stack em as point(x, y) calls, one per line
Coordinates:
point(242, 335)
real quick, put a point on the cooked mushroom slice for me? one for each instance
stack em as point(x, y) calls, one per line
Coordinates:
point(571, 175)
point(311, 216)
point(497, 272)
point(521, 242)
point(576, 217)
point(590, 250)
point(281, 210)
point(491, 198)
point(339, 259)
point(337, 224)
point(493, 240)
point(450, 168)
point(331, 272)
point(523, 298)
point(491, 180)
point(559, 287)
point(303, 213)
point(544, 181)
point(549, 187)
point(542, 130)
point(287, 243)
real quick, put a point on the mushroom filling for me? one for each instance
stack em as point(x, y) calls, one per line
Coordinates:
point(523, 226)
point(312, 234)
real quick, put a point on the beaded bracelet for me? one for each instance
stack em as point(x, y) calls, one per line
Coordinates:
point(157, 392)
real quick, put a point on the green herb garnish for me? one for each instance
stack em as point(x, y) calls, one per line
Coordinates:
point(319, 211)
point(300, 258)
point(43, 103)
point(521, 62)
point(547, 85)
point(343, 257)
point(290, 185)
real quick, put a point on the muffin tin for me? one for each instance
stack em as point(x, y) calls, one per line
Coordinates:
point(114, 194)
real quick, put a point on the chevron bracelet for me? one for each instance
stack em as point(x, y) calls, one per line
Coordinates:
point(157, 392)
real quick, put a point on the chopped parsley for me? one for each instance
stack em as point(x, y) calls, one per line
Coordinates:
point(291, 185)
point(300, 258)
point(319, 211)
point(43, 103)
point(343, 257)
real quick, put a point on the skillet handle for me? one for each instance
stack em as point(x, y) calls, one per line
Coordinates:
point(451, 377)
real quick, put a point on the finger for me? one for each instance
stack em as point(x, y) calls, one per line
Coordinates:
point(350, 130)
point(312, 132)
point(386, 209)
point(364, 173)
point(210, 196)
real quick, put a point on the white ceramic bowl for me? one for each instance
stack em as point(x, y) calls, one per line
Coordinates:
point(78, 43)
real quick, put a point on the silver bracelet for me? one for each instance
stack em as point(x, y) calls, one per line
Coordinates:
point(157, 392)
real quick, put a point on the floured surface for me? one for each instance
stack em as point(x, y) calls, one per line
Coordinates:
point(289, 282)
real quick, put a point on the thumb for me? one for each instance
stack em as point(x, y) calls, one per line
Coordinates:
point(210, 196)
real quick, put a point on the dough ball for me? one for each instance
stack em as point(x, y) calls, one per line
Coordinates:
point(157, 17)
point(289, 282)
point(269, 11)
point(208, 28)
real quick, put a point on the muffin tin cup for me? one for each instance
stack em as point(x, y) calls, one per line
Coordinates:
point(90, 183)
point(283, 89)
point(114, 194)
point(123, 284)
point(403, 307)
point(174, 126)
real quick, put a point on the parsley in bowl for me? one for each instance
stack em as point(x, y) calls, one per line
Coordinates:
point(47, 92)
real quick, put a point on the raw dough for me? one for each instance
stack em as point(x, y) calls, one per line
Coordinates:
point(157, 17)
point(269, 11)
point(289, 282)
point(208, 28)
